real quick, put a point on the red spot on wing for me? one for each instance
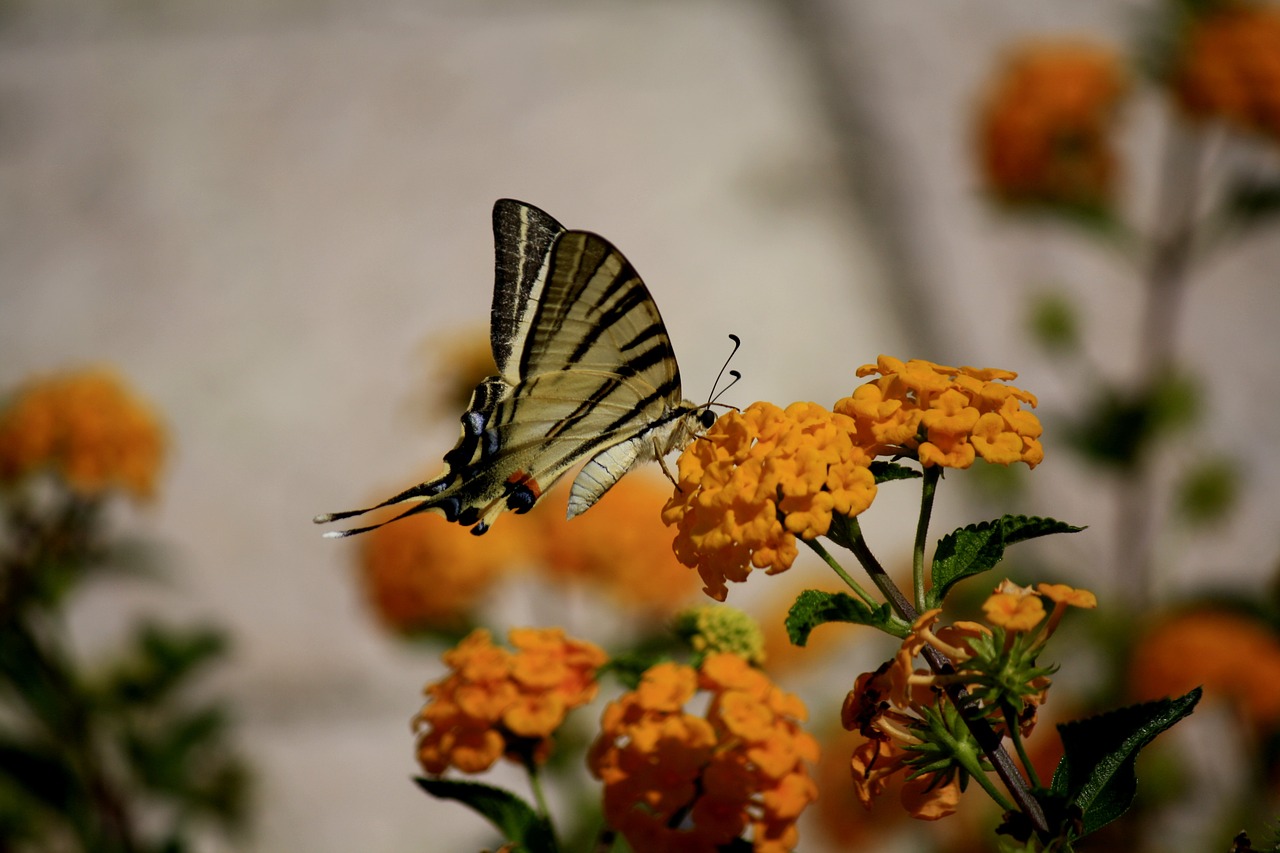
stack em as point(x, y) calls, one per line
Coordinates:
point(520, 478)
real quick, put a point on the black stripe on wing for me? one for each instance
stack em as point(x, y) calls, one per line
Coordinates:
point(522, 238)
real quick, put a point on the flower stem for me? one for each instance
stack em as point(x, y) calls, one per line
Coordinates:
point(1165, 286)
point(1015, 735)
point(856, 543)
point(929, 488)
point(822, 552)
point(535, 783)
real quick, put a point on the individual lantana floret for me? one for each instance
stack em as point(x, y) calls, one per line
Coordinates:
point(942, 415)
point(674, 780)
point(88, 428)
point(1228, 68)
point(757, 480)
point(496, 702)
point(1044, 127)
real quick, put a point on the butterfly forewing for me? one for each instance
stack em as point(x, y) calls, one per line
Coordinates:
point(586, 373)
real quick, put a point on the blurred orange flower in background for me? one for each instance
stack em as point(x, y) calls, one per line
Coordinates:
point(1229, 68)
point(1043, 128)
point(1235, 657)
point(87, 427)
point(423, 573)
point(621, 546)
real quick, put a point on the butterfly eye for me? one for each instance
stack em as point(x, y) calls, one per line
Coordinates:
point(706, 417)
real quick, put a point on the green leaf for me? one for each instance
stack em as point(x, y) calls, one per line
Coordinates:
point(161, 661)
point(1097, 768)
point(979, 547)
point(814, 607)
point(886, 471)
point(514, 818)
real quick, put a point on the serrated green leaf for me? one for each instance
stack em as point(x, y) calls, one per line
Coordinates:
point(886, 471)
point(979, 547)
point(513, 817)
point(1097, 768)
point(814, 607)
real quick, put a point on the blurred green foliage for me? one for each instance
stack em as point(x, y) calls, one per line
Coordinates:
point(114, 753)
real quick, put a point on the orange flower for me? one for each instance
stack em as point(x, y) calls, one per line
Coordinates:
point(943, 415)
point(674, 780)
point(895, 731)
point(1014, 611)
point(1235, 657)
point(1044, 124)
point(620, 547)
point(1230, 68)
point(423, 573)
point(88, 428)
point(759, 479)
point(496, 702)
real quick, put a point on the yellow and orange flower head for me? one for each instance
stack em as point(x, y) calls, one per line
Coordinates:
point(621, 547)
point(497, 702)
point(758, 479)
point(1229, 68)
point(676, 780)
point(86, 427)
point(423, 573)
point(1044, 125)
point(946, 416)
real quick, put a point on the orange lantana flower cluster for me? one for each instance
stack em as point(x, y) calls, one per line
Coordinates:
point(677, 781)
point(1043, 129)
point(496, 702)
point(88, 428)
point(1230, 68)
point(761, 478)
point(944, 415)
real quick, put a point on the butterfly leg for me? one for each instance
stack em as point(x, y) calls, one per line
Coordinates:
point(662, 462)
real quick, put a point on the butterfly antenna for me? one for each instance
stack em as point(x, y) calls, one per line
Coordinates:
point(716, 402)
point(737, 342)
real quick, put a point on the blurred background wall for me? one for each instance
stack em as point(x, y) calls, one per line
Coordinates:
point(265, 213)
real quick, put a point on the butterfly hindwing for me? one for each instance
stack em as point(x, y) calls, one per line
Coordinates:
point(586, 372)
